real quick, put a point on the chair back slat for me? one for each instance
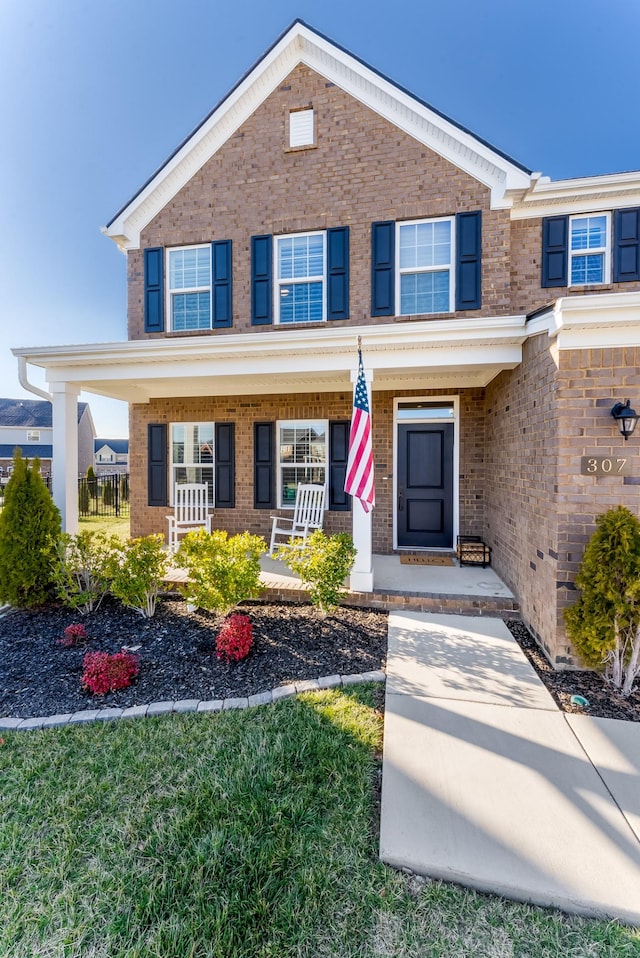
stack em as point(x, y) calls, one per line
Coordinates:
point(192, 502)
point(309, 507)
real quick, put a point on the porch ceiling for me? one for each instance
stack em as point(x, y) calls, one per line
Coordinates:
point(425, 355)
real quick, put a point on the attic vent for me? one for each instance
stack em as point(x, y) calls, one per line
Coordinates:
point(301, 128)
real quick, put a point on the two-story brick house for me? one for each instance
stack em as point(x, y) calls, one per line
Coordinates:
point(499, 314)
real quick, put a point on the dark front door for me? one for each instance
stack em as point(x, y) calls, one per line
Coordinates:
point(425, 485)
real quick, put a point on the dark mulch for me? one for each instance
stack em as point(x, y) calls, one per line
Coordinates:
point(603, 700)
point(177, 657)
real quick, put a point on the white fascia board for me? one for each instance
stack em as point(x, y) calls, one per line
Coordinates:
point(581, 195)
point(592, 321)
point(303, 45)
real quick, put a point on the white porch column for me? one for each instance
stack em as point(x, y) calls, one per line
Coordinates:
point(65, 453)
point(361, 579)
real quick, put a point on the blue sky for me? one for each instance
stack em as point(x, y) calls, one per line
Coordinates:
point(95, 94)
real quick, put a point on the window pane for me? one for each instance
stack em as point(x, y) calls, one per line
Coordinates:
point(303, 457)
point(198, 474)
point(589, 232)
point(424, 293)
point(423, 245)
point(587, 269)
point(301, 303)
point(300, 257)
point(189, 268)
point(191, 311)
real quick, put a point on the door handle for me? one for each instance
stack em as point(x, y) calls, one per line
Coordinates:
point(400, 501)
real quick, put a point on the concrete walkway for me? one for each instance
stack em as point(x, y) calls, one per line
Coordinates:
point(486, 783)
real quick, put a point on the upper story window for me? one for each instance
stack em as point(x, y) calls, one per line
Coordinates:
point(302, 457)
point(425, 267)
point(300, 278)
point(589, 248)
point(192, 454)
point(33, 435)
point(189, 287)
point(301, 128)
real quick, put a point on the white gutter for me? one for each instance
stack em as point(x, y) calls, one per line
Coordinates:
point(24, 382)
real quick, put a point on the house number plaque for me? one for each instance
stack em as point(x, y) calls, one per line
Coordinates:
point(605, 466)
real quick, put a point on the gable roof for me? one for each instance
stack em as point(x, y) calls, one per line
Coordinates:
point(302, 44)
point(30, 413)
point(119, 446)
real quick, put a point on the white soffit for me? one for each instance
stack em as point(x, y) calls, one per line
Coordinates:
point(302, 45)
point(591, 321)
point(588, 194)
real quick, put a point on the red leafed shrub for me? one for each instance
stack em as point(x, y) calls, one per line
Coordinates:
point(234, 639)
point(103, 672)
point(73, 635)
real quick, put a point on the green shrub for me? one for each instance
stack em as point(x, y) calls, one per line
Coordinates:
point(222, 571)
point(124, 488)
point(83, 499)
point(29, 531)
point(323, 563)
point(604, 624)
point(139, 573)
point(86, 565)
point(107, 493)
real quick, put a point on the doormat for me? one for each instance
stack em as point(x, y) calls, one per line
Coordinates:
point(426, 560)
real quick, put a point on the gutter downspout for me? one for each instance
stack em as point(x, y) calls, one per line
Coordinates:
point(24, 382)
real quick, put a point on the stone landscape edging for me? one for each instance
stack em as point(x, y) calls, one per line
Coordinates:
point(9, 724)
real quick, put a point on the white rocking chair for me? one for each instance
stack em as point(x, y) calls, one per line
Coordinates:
point(308, 515)
point(191, 511)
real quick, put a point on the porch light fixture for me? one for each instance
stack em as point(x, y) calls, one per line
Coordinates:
point(626, 417)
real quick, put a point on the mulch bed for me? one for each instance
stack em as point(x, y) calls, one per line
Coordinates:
point(177, 658)
point(603, 700)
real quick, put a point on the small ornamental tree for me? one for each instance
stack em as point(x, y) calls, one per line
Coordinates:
point(29, 531)
point(107, 492)
point(604, 624)
point(323, 563)
point(222, 571)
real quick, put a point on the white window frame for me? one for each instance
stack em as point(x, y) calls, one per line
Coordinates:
point(277, 282)
point(173, 466)
point(33, 435)
point(298, 424)
point(606, 249)
point(196, 289)
point(427, 269)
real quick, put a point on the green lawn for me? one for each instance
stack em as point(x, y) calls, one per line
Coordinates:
point(110, 525)
point(242, 834)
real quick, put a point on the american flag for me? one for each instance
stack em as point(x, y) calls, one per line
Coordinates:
point(359, 481)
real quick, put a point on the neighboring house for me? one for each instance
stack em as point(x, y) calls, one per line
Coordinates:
point(27, 424)
point(499, 313)
point(111, 456)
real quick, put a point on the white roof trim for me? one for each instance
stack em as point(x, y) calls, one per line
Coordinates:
point(591, 321)
point(302, 45)
point(586, 194)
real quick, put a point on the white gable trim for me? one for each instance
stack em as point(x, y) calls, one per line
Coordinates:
point(302, 45)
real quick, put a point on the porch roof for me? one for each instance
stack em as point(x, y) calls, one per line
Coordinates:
point(434, 354)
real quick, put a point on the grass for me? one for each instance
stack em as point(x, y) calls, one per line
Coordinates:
point(247, 834)
point(110, 525)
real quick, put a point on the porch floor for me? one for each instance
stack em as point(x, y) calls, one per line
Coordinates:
point(469, 590)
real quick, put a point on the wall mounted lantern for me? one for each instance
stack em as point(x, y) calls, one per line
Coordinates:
point(626, 417)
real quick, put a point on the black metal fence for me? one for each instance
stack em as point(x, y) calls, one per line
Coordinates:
point(104, 496)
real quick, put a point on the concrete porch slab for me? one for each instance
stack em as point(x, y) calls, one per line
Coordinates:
point(614, 748)
point(505, 800)
point(461, 657)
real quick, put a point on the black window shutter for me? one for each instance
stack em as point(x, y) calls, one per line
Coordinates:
point(555, 246)
point(157, 463)
point(225, 465)
point(263, 465)
point(261, 280)
point(626, 245)
point(221, 283)
point(154, 290)
point(338, 273)
point(469, 260)
point(383, 267)
point(339, 501)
